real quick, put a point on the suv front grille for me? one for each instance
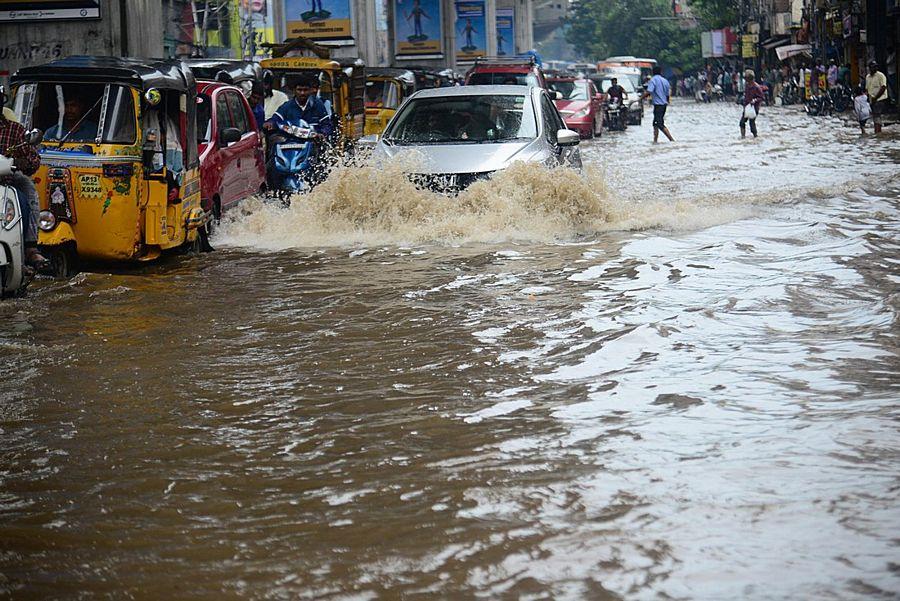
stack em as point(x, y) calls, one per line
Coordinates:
point(447, 183)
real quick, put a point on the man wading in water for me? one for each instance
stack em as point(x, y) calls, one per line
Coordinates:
point(659, 92)
point(753, 99)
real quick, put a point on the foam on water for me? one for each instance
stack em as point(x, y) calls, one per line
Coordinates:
point(368, 205)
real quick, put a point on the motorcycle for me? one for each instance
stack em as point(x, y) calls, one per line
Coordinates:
point(291, 162)
point(841, 97)
point(790, 93)
point(819, 105)
point(616, 117)
point(14, 274)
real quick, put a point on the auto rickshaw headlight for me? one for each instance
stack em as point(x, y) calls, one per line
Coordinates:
point(9, 213)
point(46, 221)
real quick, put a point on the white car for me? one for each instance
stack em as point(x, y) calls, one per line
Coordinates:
point(467, 133)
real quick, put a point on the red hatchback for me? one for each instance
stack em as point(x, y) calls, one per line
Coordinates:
point(232, 163)
point(580, 105)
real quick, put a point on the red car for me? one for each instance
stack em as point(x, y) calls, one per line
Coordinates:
point(232, 163)
point(580, 104)
point(514, 71)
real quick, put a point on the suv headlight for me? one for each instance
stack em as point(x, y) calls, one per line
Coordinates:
point(10, 213)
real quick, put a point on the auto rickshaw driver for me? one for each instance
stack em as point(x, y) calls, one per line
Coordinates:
point(75, 125)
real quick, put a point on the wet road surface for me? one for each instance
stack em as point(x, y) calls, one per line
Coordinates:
point(674, 378)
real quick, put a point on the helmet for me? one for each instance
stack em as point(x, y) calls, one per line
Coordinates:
point(268, 77)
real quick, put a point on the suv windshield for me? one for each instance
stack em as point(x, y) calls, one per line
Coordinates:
point(82, 112)
point(464, 119)
point(509, 78)
point(570, 90)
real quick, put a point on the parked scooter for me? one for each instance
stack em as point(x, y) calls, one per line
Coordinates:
point(14, 274)
point(291, 161)
point(616, 116)
point(819, 105)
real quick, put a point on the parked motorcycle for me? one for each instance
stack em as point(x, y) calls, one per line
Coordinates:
point(291, 161)
point(790, 92)
point(841, 98)
point(819, 105)
point(616, 116)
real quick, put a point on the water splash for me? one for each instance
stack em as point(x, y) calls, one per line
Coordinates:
point(364, 204)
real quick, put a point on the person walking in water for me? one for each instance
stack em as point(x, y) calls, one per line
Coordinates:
point(660, 92)
point(754, 95)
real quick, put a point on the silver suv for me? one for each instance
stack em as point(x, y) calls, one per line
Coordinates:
point(467, 133)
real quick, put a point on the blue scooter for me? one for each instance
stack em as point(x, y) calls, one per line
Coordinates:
point(292, 151)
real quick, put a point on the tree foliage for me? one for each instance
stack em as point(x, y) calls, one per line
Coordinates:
point(602, 28)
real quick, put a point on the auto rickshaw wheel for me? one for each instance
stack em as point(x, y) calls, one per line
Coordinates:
point(63, 261)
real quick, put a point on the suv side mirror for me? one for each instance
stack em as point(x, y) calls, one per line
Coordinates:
point(229, 136)
point(567, 137)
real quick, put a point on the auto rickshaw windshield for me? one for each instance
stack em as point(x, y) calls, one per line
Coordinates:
point(382, 94)
point(76, 112)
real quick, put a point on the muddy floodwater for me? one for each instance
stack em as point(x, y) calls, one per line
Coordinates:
point(674, 378)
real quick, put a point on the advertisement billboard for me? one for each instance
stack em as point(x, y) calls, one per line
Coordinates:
point(506, 31)
point(318, 19)
point(417, 28)
point(48, 10)
point(471, 33)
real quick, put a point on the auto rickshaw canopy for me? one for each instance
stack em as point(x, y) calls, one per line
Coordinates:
point(161, 74)
point(239, 70)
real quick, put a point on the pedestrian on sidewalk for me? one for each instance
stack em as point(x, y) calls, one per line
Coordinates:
point(876, 88)
point(754, 95)
point(659, 92)
point(861, 108)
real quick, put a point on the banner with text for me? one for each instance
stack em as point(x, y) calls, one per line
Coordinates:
point(506, 31)
point(48, 10)
point(318, 19)
point(417, 28)
point(471, 33)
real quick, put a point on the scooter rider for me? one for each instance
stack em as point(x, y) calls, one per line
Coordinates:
point(617, 92)
point(15, 150)
point(304, 106)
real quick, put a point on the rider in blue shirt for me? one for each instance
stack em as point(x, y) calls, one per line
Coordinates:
point(304, 106)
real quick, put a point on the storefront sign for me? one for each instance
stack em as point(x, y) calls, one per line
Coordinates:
point(471, 30)
point(48, 10)
point(748, 45)
point(417, 28)
point(506, 34)
point(318, 19)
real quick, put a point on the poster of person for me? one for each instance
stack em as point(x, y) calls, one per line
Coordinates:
point(471, 33)
point(506, 33)
point(318, 19)
point(48, 10)
point(417, 27)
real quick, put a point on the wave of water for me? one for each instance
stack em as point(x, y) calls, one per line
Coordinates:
point(369, 205)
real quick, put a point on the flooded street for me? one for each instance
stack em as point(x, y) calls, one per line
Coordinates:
point(674, 378)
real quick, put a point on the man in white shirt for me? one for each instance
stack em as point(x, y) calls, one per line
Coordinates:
point(876, 88)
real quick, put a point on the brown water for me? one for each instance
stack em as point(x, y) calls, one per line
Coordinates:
point(675, 378)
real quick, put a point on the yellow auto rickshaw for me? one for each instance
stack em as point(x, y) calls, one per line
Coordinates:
point(386, 89)
point(342, 84)
point(120, 176)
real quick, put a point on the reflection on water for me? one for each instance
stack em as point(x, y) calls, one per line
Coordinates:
point(699, 403)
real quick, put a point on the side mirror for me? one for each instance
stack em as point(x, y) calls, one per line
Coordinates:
point(229, 136)
point(567, 137)
point(369, 141)
point(33, 137)
point(148, 150)
point(557, 96)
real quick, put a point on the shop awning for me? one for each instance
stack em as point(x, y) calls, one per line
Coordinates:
point(775, 41)
point(786, 52)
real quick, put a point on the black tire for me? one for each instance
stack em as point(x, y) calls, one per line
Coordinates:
point(63, 261)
